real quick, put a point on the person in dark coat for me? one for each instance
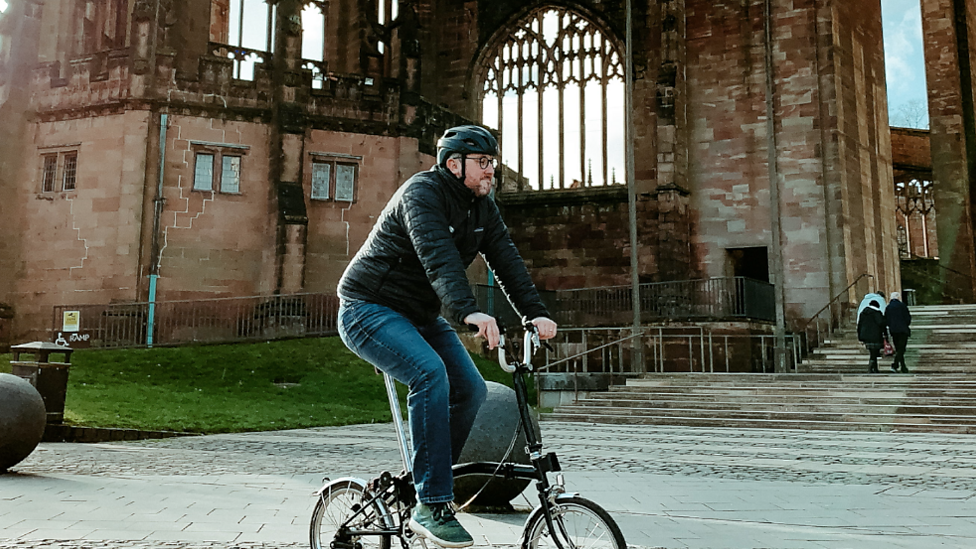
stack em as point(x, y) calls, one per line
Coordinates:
point(898, 319)
point(871, 332)
point(411, 267)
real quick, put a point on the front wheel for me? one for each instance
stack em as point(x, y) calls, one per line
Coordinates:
point(337, 502)
point(579, 524)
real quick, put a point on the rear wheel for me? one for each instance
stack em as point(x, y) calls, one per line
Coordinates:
point(578, 523)
point(338, 501)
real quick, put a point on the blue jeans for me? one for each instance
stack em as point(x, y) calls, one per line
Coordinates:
point(446, 388)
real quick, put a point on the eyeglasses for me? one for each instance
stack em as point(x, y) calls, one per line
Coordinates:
point(484, 161)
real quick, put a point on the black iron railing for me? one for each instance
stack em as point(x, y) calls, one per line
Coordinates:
point(713, 299)
point(219, 320)
point(256, 318)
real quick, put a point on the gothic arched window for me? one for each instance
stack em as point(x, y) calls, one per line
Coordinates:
point(313, 41)
point(103, 25)
point(553, 87)
point(248, 27)
point(915, 204)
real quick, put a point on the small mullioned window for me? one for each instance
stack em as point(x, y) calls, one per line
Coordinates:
point(334, 177)
point(217, 167)
point(59, 170)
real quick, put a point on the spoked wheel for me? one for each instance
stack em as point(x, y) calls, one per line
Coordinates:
point(337, 502)
point(579, 524)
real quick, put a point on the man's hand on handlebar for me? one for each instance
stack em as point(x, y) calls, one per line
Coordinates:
point(487, 327)
point(545, 326)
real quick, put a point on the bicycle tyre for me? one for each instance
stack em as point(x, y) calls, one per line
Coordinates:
point(585, 524)
point(336, 502)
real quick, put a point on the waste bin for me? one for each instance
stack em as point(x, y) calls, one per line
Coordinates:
point(49, 378)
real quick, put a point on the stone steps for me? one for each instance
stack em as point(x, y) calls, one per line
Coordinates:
point(830, 389)
point(786, 414)
point(813, 396)
point(892, 424)
point(942, 403)
point(892, 406)
point(943, 342)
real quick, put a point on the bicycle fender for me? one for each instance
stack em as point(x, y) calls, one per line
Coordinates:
point(358, 481)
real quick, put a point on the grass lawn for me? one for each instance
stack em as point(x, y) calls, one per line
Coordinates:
point(229, 388)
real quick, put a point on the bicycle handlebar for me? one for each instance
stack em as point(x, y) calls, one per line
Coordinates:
point(530, 344)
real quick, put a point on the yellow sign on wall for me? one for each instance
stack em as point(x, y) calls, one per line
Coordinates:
point(71, 321)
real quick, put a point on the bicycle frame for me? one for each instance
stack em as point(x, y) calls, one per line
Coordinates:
point(543, 464)
point(393, 496)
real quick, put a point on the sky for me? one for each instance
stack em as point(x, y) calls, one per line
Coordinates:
point(3, 6)
point(904, 63)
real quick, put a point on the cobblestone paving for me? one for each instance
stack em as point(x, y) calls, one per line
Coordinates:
point(74, 544)
point(901, 462)
point(772, 455)
point(357, 449)
point(364, 450)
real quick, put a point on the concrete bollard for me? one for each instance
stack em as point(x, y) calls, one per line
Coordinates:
point(490, 437)
point(22, 420)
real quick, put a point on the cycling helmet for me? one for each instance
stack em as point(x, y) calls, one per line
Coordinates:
point(465, 140)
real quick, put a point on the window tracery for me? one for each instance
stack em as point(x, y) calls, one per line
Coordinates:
point(915, 204)
point(243, 30)
point(314, 41)
point(553, 87)
point(103, 25)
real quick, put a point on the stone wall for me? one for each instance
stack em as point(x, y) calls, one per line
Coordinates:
point(832, 158)
point(94, 244)
point(861, 184)
point(700, 136)
point(948, 26)
point(216, 243)
point(336, 230)
point(81, 246)
point(577, 239)
point(911, 149)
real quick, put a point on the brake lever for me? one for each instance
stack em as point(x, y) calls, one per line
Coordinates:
point(502, 360)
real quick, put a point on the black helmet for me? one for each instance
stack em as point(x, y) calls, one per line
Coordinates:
point(465, 140)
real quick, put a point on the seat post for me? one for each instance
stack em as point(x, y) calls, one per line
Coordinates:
point(403, 443)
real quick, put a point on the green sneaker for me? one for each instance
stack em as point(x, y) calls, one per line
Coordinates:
point(436, 522)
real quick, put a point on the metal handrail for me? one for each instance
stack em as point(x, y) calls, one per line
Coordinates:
point(587, 351)
point(838, 296)
point(830, 323)
point(946, 295)
point(943, 267)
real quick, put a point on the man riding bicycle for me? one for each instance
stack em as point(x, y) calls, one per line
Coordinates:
point(412, 264)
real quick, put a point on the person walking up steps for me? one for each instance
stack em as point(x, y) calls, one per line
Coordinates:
point(898, 318)
point(870, 331)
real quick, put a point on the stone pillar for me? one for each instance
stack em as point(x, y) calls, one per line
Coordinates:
point(406, 36)
point(946, 27)
point(671, 120)
point(191, 36)
point(674, 233)
point(289, 125)
point(19, 33)
point(142, 38)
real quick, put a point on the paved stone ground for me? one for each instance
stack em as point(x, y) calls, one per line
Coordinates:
point(669, 487)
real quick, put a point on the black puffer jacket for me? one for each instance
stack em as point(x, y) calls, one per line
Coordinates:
point(416, 255)
point(898, 318)
point(871, 326)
